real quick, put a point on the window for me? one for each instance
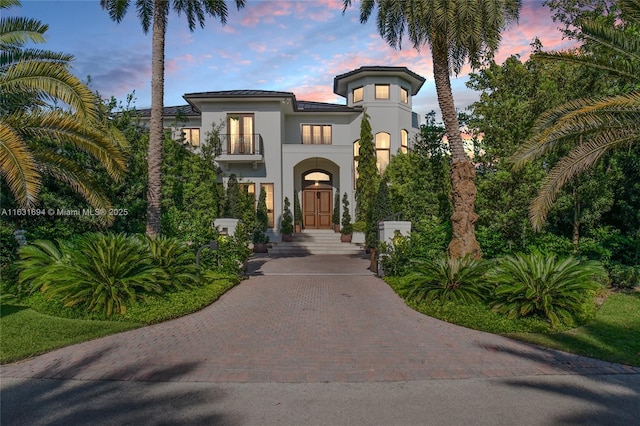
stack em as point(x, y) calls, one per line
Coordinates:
point(356, 155)
point(404, 95)
point(240, 127)
point(191, 136)
point(382, 150)
point(268, 188)
point(404, 141)
point(316, 134)
point(358, 94)
point(382, 91)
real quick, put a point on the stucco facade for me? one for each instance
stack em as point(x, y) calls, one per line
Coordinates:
point(271, 139)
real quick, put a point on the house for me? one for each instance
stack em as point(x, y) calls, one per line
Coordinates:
point(288, 147)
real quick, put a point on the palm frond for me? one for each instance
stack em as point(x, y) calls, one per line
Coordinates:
point(78, 179)
point(579, 159)
point(64, 128)
point(53, 81)
point(13, 56)
point(18, 166)
point(16, 31)
point(581, 116)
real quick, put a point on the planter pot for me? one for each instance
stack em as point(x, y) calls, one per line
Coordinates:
point(297, 228)
point(260, 247)
point(373, 267)
point(287, 238)
point(345, 238)
point(336, 227)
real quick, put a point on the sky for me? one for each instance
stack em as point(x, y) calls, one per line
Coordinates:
point(294, 46)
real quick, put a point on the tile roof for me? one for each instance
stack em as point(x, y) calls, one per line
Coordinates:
point(172, 111)
point(238, 94)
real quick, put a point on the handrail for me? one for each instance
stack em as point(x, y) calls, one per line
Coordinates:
point(232, 144)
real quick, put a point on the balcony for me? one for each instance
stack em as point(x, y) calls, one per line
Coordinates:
point(239, 149)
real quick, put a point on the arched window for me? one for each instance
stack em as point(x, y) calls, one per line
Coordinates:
point(383, 142)
point(404, 141)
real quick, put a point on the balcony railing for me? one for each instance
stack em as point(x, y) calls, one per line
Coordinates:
point(228, 144)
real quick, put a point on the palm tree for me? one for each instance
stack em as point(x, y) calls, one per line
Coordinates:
point(35, 133)
point(154, 14)
point(454, 31)
point(596, 125)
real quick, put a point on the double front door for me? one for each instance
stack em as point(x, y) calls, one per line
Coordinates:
point(316, 208)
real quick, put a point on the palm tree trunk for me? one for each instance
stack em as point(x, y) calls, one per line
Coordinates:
point(463, 188)
point(154, 158)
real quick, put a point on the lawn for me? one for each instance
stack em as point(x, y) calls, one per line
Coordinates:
point(612, 335)
point(26, 332)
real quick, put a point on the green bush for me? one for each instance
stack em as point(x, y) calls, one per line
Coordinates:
point(286, 225)
point(97, 272)
point(346, 227)
point(624, 276)
point(448, 279)
point(427, 242)
point(537, 284)
point(360, 226)
point(176, 258)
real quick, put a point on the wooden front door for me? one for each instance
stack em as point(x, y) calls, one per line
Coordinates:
point(316, 208)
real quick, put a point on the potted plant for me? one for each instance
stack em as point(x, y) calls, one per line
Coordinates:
point(347, 227)
point(335, 218)
point(260, 237)
point(297, 214)
point(286, 224)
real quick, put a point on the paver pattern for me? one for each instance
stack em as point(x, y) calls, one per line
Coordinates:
point(320, 318)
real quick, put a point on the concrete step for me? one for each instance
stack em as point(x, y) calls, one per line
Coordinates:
point(315, 241)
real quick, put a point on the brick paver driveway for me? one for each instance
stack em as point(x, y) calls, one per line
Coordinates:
point(308, 319)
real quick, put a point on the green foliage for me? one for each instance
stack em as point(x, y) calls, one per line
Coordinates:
point(346, 227)
point(368, 176)
point(537, 284)
point(297, 210)
point(419, 186)
point(234, 206)
point(359, 226)
point(262, 220)
point(98, 272)
point(335, 217)
point(444, 279)
point(427, 242)
point(176, 258)
point(286, 225)
point(624, 276)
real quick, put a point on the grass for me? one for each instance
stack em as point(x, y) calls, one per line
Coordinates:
point(613, 334)
point(27, 331)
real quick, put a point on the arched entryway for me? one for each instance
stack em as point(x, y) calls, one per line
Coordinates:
point(317, 199)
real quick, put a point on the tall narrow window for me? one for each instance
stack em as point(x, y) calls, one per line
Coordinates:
point(404, 141)
point(358, 94)
point(404, 95)
point(268, 188)
point(191, 136)
point(356, 156)
point(383, 141)
point(316, 134)
point(382, 91)
point(241, 136)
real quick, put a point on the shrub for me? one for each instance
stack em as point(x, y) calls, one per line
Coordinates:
point(537, 284)
point(427, 242)
point(346, 226)
point(98, 272)
point(297, 210)
point(175, 258)
point(448, 279)
point(286, 225)
point(624, 276)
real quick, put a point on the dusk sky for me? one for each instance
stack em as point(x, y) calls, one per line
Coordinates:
point(296, 46)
